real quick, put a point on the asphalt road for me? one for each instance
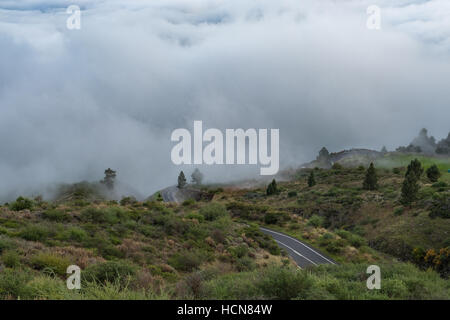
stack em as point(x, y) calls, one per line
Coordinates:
point(303, 254)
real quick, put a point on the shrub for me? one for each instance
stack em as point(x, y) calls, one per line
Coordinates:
point(272, 188)
point(5, 244)
point(440, 184)
point(110, 271)
point(21, 203)
point(334, 247)
point(240, 251)
point(311, 179)
point(213, 211)
point(353, 239)
point(50, 262)
point(271, 218)
point(336, 166)
point(410, 188)
point(55, 215)
point(415, 168)
point(398, 211)
point(357, 241)
point(10, 259)
point(194, 284)
point(292, 194)
point(110, 215)
point(433, 173)
point(76, 234)
point(196, 216)
point(218, 236)
point(188, 202)
point(245, 264)
point(284, 283)
point(440, 208)
point(316, 221)
point(13, 283)
point(127, 200)
point(235, 286)
point(34, 233)
point(47, 287)
point(186, 261)
point(370, 181)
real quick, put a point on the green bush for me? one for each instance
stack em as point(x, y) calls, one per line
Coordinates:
point(109, 272)
point(48, 288)
point(13, 283)
point(110, 215)
point(76, 234)
point(56, 215)
point(6, 244)
point(196, 216)
point(128, 200)
point(272, 188)
point(398, 211)
point(239, 251)
point(316, 221)
point(213, 211)
point(271, 218)
point(188, 202)
point(292, 194)
point(186, 261)
point(440, 208)
point(50, 262)
point(233, 286)
point(394, 288)
point(21, 203)
point(10, 259)
point(354, 239)
point(245, 264)
point(34, 233)
point(218, 236)
point(284, 283)
point(440, 184)
point(433, 173)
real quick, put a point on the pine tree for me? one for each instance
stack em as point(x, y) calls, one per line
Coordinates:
point(433, 173)
point(370, 181)
point(197, 177)
point(410, 189)
point(311, 179)
point(272, 188)
point(416, 168)
point(181, 180)
point(110, 176)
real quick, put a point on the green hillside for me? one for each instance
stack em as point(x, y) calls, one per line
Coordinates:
point(214, 249)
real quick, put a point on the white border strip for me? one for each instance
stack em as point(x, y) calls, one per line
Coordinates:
point(282, 234)
point(295, 251)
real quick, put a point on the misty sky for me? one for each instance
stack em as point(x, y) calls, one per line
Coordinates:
point(74, 102)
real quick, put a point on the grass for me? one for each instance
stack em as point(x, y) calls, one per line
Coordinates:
point(392, 160)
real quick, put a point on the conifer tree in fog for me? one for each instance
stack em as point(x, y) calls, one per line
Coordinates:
point(181, 180)
point(311, 179)
point(371, 180)
point(110, 176)
point(197, 177)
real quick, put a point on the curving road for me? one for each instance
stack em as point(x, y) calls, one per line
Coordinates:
point(303, 254)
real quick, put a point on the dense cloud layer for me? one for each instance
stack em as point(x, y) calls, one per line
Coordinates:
point(73, 102)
